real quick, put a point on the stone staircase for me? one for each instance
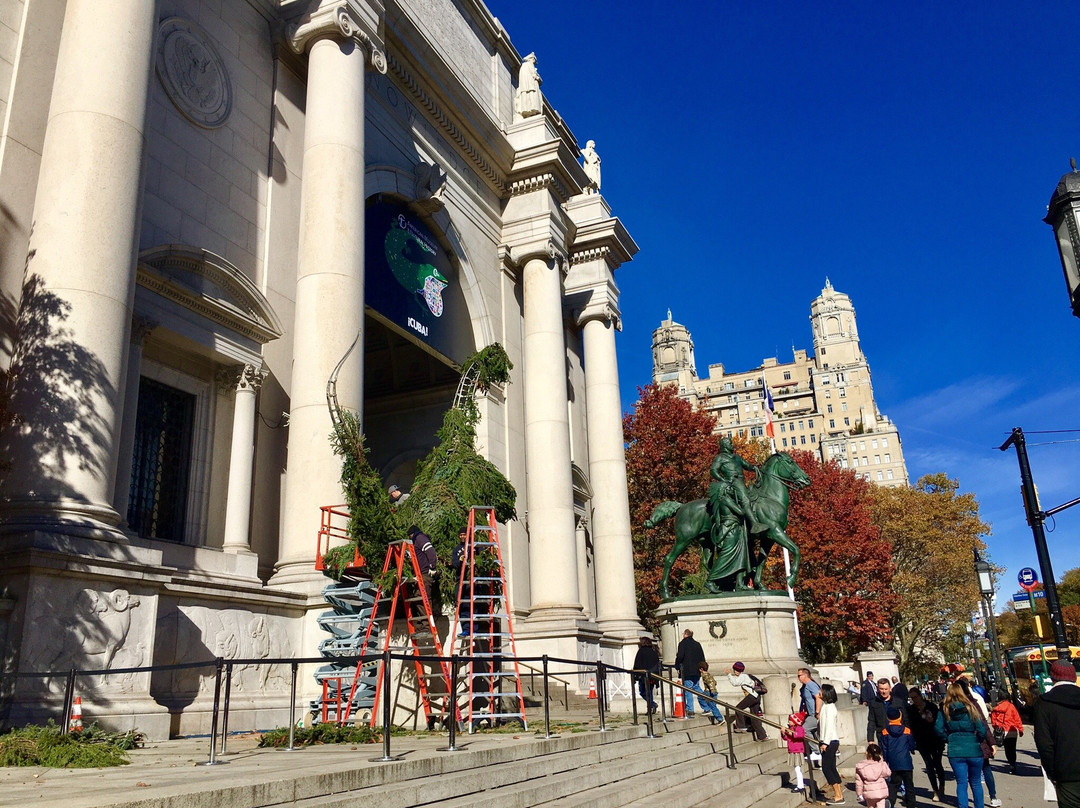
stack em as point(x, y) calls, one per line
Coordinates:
point(685, 765)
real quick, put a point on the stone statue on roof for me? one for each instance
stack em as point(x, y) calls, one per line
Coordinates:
point(591, 166)
point(527, 99)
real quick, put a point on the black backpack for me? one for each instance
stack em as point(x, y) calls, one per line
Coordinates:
point(759, 686)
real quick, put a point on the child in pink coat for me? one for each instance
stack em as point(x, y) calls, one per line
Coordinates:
point(872, 778)
point(795, 735)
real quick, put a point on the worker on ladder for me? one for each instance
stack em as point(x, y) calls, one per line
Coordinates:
point(425, 557)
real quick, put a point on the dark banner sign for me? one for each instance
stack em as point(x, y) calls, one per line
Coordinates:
point(411, 282)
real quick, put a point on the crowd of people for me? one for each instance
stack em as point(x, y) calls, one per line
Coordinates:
point(948, 719)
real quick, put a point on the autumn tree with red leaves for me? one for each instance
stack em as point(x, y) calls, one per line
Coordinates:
point(669, 448)
point(846, 603)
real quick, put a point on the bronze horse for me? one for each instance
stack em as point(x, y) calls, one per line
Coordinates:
point(769, 501)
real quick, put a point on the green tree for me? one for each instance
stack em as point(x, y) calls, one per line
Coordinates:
point(933, 531)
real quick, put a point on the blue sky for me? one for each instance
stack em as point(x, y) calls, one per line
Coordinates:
point(906, 151)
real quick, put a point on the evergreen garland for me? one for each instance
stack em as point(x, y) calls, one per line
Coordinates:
point(371, 524)
point(450, 480)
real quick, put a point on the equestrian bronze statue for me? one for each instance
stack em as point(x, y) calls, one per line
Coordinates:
point(734, 518)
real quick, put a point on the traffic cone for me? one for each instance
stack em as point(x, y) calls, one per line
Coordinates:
point(592, 688)
point(76, 716)
point(679, 712)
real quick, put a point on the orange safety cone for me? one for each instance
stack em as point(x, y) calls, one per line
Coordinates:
point(679, 712)
point(592, 688)
point(76, 716)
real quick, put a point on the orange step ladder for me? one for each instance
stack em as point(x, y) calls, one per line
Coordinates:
point(486, 634)
point(410, 596)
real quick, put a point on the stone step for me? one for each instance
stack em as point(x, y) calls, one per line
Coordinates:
point(761, 791)
point(722, 783)
point(517, 780)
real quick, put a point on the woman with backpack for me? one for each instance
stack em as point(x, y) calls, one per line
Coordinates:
point(752, 690)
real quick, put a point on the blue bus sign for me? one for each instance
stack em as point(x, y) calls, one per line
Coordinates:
point(1028, 578)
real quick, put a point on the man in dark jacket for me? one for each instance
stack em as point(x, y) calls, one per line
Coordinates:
point(878, 718)
point(868, 691)
point(425, 556)
point(646, 663)
point(688, 659)
point(1057, 733)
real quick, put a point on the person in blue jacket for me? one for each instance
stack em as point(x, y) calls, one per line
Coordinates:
point(897, 743)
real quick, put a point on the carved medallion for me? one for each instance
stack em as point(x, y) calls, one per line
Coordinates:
point(192, 73)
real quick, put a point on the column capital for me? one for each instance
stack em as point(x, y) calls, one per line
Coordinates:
point(141, 328)
point(239, 378)
point(358, 20)
point(604, 311)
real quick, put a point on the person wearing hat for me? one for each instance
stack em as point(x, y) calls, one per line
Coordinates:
point(1057, 733)
point(897, 743)
point(646, 663)
point(751, 702)
point(397, 496)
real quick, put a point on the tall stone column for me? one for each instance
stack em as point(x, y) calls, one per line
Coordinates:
point(248, 379)
point(616, 600)
point(141, 327)
point(80, 275)
point(553, 578)
point(329, 310)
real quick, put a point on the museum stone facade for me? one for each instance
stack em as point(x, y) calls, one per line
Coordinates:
point(203, 202)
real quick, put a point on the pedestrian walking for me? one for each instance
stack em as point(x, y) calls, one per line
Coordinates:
point(1057, 733)
point(923, 715)
point(829, 743)
point(872, 778)
point(751, 701)
point(897, 743)
point(962, 728)
point(1005, 719)
point(877, 719)
point(708, 685)
point(646, 663)
point(795, 735)
point(688, 658)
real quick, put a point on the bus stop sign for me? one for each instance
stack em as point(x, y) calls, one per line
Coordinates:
point(1028, 579)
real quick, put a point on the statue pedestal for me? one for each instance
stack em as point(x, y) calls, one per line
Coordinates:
point(757, 629)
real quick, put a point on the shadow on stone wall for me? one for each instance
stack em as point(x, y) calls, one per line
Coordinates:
point(49, 397)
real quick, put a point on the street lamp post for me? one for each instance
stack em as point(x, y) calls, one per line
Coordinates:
point(985, 574)
point(1063, 214)
point(1036, 517)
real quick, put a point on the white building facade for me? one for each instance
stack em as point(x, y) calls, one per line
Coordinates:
point(203, 206)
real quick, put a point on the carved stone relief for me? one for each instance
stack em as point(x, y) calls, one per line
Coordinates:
point(201, 633)
point(86, 629)
point(193, 73)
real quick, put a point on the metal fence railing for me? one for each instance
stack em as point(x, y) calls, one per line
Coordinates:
point(541, 666)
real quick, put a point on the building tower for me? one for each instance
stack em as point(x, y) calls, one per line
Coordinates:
point(673, 355)
point(836, 338)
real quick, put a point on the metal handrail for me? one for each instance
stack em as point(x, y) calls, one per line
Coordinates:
point(224, 667)
point(707, 697)
point(532, 671)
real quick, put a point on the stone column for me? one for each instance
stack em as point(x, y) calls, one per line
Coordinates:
point(553, 577)
point(80, 274)
point(140, 330)
point(248, 380)
point(616, 600)
point(329, 310)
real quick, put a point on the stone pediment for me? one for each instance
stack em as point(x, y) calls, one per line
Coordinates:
point(210, 286)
